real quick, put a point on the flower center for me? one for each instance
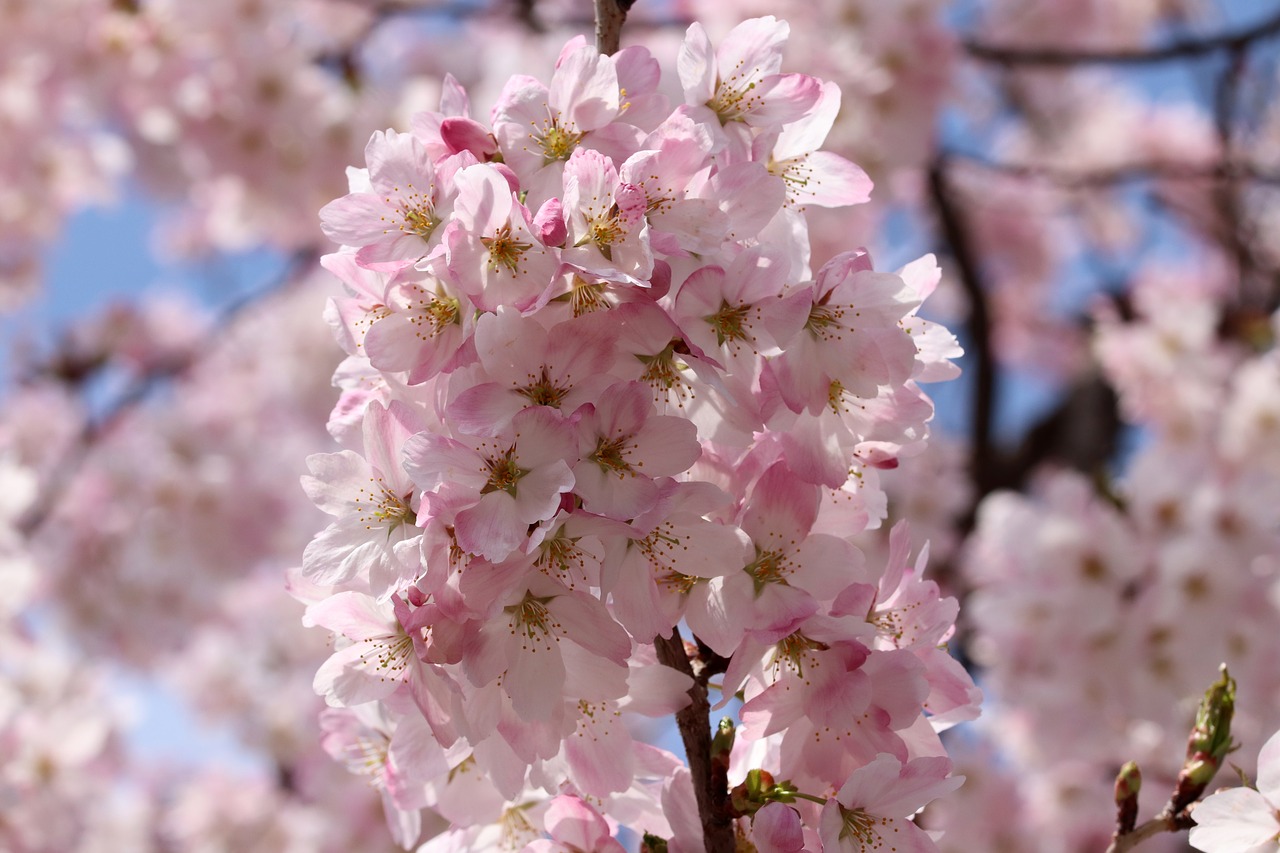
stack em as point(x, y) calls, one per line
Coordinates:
point(388, 510)
point(417, 210)
point(556, 142)
point(768, 567)
point(609, 454)
point(543, 391)
point(531, 617)
point(504, 473)
point(735, 96)
point(792, 650)
point(662, 373)
point(505, 250)
point(729, 323)
point(561, 554)
point(857, 824)
point(824, 321)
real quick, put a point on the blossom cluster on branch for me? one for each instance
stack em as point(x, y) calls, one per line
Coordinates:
point(593, 393)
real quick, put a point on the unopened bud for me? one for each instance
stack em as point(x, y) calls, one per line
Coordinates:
point(548, 223)
point(747, 798)
point(1128, 784)
point(653, 844)
point(1209, 742)
point(464, 134)
point(722, 743)
point(758, 790)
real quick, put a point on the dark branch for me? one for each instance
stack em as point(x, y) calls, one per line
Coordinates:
point(610, 16)
point(694, 721)
point(1178, 49)
point(1125, 174)
point(982, 454)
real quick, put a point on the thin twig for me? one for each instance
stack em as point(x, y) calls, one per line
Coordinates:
point(694, 722)
point(1162, 823)
point(1175, 50)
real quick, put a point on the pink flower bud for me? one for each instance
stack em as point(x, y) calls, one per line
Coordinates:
point(549, 225)
point(465, 134)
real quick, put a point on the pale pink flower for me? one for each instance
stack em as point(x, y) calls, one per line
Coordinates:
point(624, 447)
point(851, 342)
point(493, 253)
point(396, 219)
point(873, 808)
point(574, 827)
point(740, 81)
point(527, 365)
point(1243, 820)
point(549, 645)
point(538, 128)
point(820, 178)
point(492, 489)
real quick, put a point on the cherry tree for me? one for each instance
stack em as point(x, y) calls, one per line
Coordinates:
point(638, 306)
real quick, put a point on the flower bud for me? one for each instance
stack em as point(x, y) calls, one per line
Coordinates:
point(1128, 784)
point(1209, 742)
point(464, 134)
point(548, 223)
point(652, 844)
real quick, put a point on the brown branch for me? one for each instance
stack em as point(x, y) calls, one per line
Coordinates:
point(694, 722)
point(1164, 822)
point(1175, 50)
point(1072, 179)
point(527, 14)
point(610, 16)
point(982, 453)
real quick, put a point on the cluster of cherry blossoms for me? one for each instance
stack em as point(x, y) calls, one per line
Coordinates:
point(593, 392)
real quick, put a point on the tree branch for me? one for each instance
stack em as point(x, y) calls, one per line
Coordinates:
point(1175, 50)
point(694, 721)
point(610, 16)
point(982, 454)
point(1164, 822)
point(1127, 173)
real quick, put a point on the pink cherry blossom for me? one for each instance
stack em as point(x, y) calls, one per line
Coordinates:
point(1242, 820)
point(873, 807)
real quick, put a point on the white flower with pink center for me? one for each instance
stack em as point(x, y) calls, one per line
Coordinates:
point(375, 537)
point(608, 235)
point(851, 342)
